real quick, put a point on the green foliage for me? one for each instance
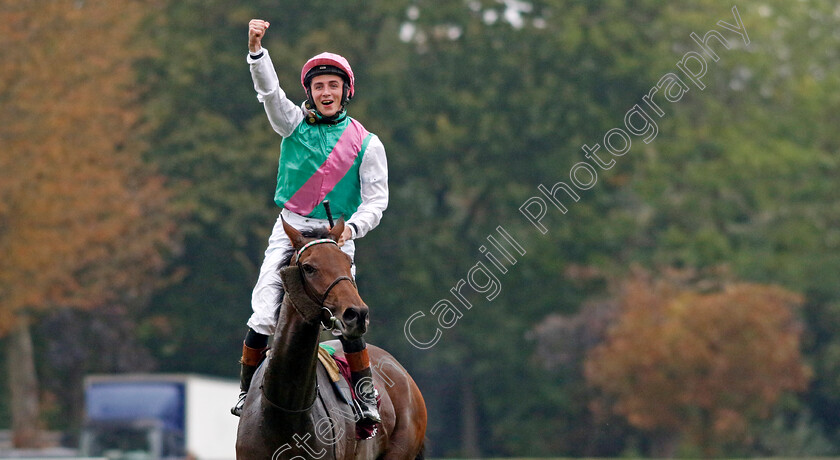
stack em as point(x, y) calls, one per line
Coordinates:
point(477, 104)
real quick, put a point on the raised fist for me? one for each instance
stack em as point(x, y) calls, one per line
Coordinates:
point(256, 31)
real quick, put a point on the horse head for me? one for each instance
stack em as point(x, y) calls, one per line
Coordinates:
point(327, 280)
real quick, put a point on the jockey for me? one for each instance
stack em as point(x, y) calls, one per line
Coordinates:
point(325, 154)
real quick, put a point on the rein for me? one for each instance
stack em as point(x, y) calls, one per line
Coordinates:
point(315, 297)
point(293, 411)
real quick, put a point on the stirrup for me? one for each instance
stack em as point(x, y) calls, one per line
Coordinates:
point(366, 412)
point(240, 404)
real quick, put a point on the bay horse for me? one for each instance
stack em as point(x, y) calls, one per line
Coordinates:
point(291, 410)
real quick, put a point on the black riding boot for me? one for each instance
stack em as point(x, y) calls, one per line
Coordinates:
point(365, 395)
point(251, 359)
point(246, 373)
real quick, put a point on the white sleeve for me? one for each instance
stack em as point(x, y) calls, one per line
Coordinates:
point(373, 175)
point(283, 114)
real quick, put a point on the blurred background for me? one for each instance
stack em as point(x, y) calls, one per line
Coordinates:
point(687, 305)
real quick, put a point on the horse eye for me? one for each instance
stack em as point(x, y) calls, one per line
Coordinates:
point(309, 269)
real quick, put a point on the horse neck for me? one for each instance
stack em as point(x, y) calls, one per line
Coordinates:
point(289, 380)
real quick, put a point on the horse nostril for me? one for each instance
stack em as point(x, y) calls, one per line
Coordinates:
point(350, 315)
point(355, 315)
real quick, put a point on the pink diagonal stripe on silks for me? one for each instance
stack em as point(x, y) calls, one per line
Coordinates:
point(337, 164)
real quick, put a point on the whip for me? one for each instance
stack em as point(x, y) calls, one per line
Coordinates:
point(329, 214)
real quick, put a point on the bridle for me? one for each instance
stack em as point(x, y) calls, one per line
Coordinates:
point(315, 297)
point(320, 301)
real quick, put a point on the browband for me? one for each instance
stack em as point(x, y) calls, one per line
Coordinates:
point(312, 243)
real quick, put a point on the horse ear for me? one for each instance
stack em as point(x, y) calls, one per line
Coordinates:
point(294, 235)
point(337, 230)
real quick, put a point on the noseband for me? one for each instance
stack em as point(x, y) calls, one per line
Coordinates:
point(320, 299)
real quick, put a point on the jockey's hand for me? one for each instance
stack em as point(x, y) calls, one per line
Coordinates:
point(256, 31)
point(346, 235)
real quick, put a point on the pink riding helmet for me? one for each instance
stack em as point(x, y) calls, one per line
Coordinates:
point(329, 59)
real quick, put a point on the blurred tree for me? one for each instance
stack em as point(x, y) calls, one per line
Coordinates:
point(495, 99)
point(477, 103)
point(744, 173)
point(692, 359)
point(82, 220)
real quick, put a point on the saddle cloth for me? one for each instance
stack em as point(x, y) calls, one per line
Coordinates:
point(338, 369)
point(325, 355)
